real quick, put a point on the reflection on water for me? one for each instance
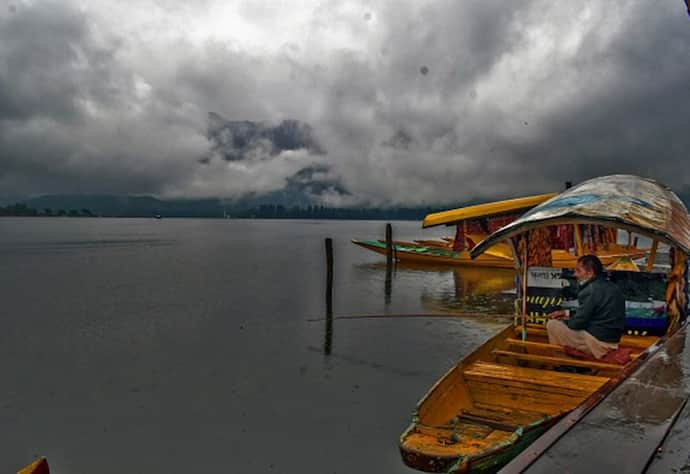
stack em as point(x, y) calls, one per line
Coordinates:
point(445, 289)
point(473, 290)
point(74, 246)
point(388, 287)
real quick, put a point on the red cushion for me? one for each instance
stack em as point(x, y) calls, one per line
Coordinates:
point(620, 356)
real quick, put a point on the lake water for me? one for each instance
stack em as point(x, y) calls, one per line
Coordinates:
point(183, 345)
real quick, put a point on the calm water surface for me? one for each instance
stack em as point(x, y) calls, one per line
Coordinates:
point(181, 345)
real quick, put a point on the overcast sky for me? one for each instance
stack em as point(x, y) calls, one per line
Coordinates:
point(411, 101)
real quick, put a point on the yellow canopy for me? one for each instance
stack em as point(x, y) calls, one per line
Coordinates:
point(484, 210)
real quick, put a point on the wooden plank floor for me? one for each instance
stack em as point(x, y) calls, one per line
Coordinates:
point(544, 391)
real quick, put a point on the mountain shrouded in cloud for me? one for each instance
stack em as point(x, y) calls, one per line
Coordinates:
point(242, 140)
point(398, 102)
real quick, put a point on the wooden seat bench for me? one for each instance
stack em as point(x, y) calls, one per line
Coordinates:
point(543, 391)
point(555, 361)
point(634, 342)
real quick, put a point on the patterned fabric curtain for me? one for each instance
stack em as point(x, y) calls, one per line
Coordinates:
point(539, 248)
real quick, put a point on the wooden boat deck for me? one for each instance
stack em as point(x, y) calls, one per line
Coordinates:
point(498, 399)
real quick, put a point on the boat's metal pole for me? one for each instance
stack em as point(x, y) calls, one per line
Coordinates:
point(525, 255)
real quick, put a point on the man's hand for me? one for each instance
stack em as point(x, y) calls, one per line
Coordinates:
point(559, 314)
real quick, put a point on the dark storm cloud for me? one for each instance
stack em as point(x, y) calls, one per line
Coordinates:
point(71, 118)
point(410, 102)
point(628, 112)
point(235, 140)
point(33, 70)
point(549, 94)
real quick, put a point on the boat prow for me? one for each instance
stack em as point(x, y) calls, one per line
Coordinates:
point(40, 466)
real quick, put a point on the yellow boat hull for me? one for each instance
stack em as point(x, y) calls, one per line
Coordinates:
point(499, 258)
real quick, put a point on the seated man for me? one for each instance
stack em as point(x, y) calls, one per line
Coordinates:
point(599, 322)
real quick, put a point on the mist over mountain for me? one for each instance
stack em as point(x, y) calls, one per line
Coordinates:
point(235, 140)
point(307, 188)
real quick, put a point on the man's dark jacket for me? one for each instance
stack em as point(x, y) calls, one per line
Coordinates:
point(600, 311)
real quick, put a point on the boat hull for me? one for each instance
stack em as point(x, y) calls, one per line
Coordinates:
point(410, 252)
point(413, 253)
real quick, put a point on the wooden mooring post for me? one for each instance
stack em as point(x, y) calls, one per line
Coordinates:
point(328, 343)
point(390, 260)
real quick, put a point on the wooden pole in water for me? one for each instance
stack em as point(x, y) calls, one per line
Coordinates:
point(389, 263)
point(328, 343)
point(525, 256)
point(389, 244)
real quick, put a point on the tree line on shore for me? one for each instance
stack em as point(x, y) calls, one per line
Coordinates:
point(265, 211)
point(22, 210)
point(277, 211)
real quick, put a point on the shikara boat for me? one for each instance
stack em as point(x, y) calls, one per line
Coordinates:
point(496, 401)
point(474, 223)
point(499, 256)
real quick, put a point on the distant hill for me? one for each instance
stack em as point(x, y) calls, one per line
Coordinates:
point(148, 206)
point(129, 206)
point(297, 200)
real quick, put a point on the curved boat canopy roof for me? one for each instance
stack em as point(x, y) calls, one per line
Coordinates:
point(637, 204)
point(484, 210)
